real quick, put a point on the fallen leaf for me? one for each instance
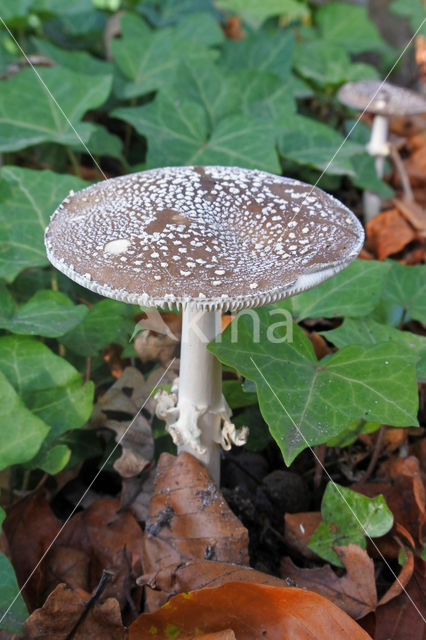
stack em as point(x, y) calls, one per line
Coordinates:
point(159, 339)
point(113, 541)
point(407, 125)
point(401, 581)
point(62, 610)
point(355, 592)
point(403, 617)
point(406, 497)
point(30, 527)
point(415, 167)
point(252, 612)
point(320, 346)
point(298, 529)
point(191, 576)
point(413, 213)
point(126, 396)
point(69, 566)
point(233, 28)
point(189, 520)
point(388, 233)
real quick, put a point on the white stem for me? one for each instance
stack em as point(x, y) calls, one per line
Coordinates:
point(200, 384)
point(377, 148)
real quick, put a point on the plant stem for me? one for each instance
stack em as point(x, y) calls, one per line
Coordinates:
point(376, 148)
point(74, 163)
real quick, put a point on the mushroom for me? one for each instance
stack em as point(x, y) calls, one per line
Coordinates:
point(383, 100)
point(204, 240)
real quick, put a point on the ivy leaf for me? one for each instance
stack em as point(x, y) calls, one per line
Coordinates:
point(324, 63)
point(367, 331)
point(261, 51)
point(348, 517)
point(264, 95)
point(177, 133)
point(101, 143)
point(255, 13)
point(150, 60)
point(353, 292)
point(10, 11)
point(205, 84)
point(21, 443)
point(16, 616)
point(48, 393)
point(305, 401)
point(413, 10)
point(32, 196)
point(77, 61)
point(201, 27)
point(348, 26)
point(21, 127)
point(366, 177)
point(103, 324)
point(47, 313)
point(406, 286)
point(306, 141)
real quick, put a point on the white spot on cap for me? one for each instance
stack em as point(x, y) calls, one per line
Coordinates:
point(254, 285)
point(115, 247)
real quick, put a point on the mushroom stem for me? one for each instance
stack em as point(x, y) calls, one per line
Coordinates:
point(200, 387)
point(377, 147)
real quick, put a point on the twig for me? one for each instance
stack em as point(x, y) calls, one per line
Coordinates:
point(376, 452)
point(105, 578)
point(320, 452)
point(399, 166)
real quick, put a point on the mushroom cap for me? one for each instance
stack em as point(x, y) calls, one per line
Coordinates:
point(205, 237)
point(381, 98)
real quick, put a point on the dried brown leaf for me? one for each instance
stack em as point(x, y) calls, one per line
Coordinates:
point(189, 520)
point(30, 519)
point(113, 541)
point(388, 233)
point(355, 592)
point(298, 529)
point(63, 609)
point(191, 576)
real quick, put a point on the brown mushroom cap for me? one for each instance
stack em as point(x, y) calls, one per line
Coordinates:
point(381, 98)
point(209, 237)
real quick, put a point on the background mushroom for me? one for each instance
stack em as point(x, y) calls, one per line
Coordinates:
point(204, 240)
point(383, 100)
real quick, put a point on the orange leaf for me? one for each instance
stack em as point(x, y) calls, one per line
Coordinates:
point(252, 612)
point(388, 233)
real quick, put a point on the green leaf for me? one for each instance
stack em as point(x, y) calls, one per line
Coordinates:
point(47, 313)
point(235, 395)
point(367, 331)
point(101, 143)
point(78, 61)
point(177, 133)
point(7, 304)
point(200, 27)
point(406, 286)
point(22, 433)
point(49, 387)
point(307, 141)
point(9, 11)
point(305, 401)
point(260, 51)
point(32, 196)
point(348, 517)
point(150, 60)
point(353, 292)
point(366, 177)
point(52, 460)
point(101, 326)
point(21, 127)
point(414, 10)
point(264, 95)
point(348, 26)
point(348, 435)
point(205, 84)
point(255, 13)
point(16, 616)
point(323, 63)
